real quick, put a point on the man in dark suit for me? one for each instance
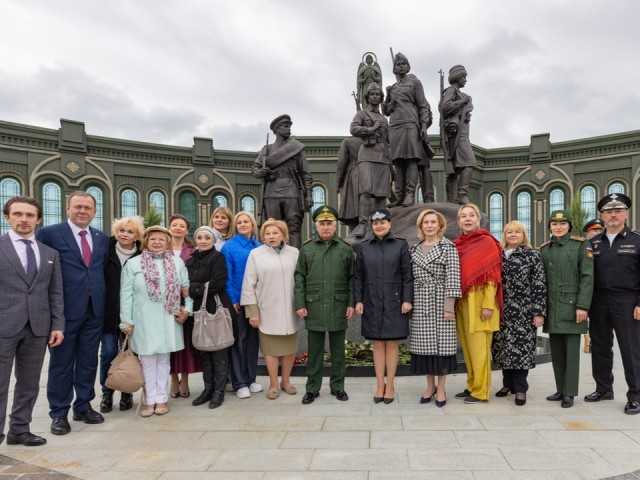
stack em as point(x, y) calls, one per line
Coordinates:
point(73, 366)
point(31, 314)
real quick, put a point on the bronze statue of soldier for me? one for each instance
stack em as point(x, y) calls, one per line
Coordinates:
point(409, 115)
point(287, 183)
point(374, 162)
point(455, 113)
point(368, 72)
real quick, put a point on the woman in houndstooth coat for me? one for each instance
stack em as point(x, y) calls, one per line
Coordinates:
point(436, 272)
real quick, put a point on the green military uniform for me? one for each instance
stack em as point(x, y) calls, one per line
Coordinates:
point(324, 286)
point(568, 263)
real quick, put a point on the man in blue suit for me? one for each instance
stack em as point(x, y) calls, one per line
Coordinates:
point(73, 364)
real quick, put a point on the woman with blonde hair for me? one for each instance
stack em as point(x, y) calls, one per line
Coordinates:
point(267, 296)
point(124, 244)
point(478, 311)
point(244, 351)
point(436, 285)
point(222, 223)
point(150, 311)
point(525, 306)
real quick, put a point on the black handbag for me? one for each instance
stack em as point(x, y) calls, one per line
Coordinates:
point(212, 331)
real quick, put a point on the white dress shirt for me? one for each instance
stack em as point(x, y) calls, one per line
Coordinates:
point(21, 248)
point(76, 231)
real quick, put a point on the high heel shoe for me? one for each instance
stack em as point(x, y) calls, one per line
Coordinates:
point(175, 394)
point(380, 399)
point(521, 401)
point(442, 403)
point(503, 392)
point(427, 399)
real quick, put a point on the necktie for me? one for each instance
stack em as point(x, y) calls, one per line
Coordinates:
point(32, 265)
point(86, 250)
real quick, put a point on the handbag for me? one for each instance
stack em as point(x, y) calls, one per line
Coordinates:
point(212, 331)
point(125, 373)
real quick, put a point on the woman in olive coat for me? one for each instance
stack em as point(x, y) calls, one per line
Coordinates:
point(568, 263)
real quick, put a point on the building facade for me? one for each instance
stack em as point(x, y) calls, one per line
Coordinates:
point(127, 177)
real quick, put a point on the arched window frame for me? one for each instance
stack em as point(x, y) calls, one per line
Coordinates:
point(98, 220)
point(51, 204)
point(496, 214)
point(157, 199)
point(523, 209)
point(9, 188)
point(556, 200)
point(128, 203)
point(588, 198)
point(219, 200)
point(248, 204)
point(188, 208)
point(617, 187)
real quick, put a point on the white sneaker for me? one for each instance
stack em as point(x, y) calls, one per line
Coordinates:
point(255, 387)
point(243, 393)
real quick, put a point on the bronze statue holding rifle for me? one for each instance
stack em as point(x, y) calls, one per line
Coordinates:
point(409, 115)
point(455, 114)
point(287, 183)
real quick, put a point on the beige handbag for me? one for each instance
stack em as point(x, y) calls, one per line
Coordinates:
point(125, 373)
point(212, 331)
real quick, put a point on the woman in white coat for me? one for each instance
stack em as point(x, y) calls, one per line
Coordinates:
point(267, 296)
point(150, 311)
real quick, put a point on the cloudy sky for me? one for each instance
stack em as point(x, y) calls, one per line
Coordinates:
point(164, 71)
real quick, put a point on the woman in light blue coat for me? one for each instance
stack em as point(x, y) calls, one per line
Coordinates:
point(150, 311)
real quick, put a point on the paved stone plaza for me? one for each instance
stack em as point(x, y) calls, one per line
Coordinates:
point(282, 439)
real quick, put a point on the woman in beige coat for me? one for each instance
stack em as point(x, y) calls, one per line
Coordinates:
point(267, 295)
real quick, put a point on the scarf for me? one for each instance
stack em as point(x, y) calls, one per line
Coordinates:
point(480, 261)
point(152, 280)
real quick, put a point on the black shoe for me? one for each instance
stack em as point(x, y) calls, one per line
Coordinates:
point(90, 416)
point(387, 400)
point(631, 408)
point(310, 397)
point(216, 399)
point(378, 399)
point(521, 401)
point(203, 398)
point(556, 397)
point(340, 395)
point(567, 401)
point(106, 405)
point(464, 394)
point(597, 396)
point(503, 392)
point(27, 439)
point(424, 400)
point(471, 399)
point(126, 401)
point(60, 426)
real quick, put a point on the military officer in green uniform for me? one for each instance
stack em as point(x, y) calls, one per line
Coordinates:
point(568, 262)
point(324, 298)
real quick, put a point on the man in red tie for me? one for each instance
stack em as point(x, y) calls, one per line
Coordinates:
point(73, 365)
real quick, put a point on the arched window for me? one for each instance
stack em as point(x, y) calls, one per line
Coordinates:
point(51, 204)
point(523, 203)
point(98, 220)
point(188, 209)
point(588, 201)
point(220, 200)
point(318, 194)
point(616, 188)
point(495, 215)
point(556, 200)
point(156, 200)
point(128, 203)
point(9, 187)
point(248, 204)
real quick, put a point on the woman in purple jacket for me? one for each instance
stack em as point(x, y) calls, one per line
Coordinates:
point(244, 352)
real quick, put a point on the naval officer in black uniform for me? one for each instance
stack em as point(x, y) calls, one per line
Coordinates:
point(616, 302)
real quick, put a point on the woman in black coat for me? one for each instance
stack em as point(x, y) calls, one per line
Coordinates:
point(123, 245)
point(206, 264)
point(383, 295)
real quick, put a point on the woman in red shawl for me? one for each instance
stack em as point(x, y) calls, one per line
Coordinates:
point(478, 311)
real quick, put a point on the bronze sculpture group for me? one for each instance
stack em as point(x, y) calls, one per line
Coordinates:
point(379, 153)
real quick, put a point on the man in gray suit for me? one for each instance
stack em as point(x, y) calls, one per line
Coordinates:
point(31, 315)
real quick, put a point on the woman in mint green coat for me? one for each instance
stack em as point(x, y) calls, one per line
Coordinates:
point(150, 311)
